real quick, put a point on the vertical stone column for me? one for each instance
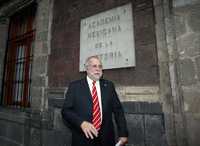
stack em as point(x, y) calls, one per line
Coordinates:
point(40, 117)
point(174, 69)
point(165, 87)
point(170, 93)
point(170, 90)
point(41, 56)
point(3, 40)
point(186, 15)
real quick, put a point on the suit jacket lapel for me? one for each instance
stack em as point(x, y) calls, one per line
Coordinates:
point(86, 89)
point(103, 86)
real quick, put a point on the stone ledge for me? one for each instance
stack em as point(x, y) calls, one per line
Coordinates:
point(4, 141)
point(29, 117)
point(142, 108)
point(56, 102)
point(129, 106)
point(13, 114)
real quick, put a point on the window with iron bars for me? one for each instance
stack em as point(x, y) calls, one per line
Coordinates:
point(19, 58)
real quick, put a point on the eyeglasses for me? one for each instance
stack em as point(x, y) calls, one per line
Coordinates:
point(96, 66)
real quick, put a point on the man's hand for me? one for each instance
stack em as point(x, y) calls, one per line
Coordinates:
point(89, 130)
point(124, 140)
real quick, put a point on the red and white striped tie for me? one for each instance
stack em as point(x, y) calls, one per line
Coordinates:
point(96, 121)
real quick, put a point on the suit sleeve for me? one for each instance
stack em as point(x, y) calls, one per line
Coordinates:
point(119, 114)
point(68, 112)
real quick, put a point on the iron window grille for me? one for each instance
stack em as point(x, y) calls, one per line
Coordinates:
point(19, 58)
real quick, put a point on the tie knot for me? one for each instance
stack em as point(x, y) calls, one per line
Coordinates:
point(93, 82)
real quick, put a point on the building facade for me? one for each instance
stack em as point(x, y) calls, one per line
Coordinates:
point(39, 57)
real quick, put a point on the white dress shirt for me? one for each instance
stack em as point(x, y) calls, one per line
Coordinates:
point(97, 84)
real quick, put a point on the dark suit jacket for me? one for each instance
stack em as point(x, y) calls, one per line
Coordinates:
point(78, 108)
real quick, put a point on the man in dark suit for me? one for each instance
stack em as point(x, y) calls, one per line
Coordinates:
point(88, 108)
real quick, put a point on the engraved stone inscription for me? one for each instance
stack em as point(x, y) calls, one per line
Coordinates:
point(110, 35)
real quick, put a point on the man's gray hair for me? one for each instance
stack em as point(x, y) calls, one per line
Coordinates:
point(87, 61)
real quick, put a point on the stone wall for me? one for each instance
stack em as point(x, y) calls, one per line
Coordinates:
point(167, 36)
point(145, 124)
point(30, 128)
point(64, 58)
point(187, 22)
point(13, 129)
point(41, 55)
point(26, 126)
point(177, 35)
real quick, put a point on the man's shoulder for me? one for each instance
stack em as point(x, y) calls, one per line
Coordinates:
point(106, 81)
point(76, 82)
point(81, 81)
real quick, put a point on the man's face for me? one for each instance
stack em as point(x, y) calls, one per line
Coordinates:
point(94, 69)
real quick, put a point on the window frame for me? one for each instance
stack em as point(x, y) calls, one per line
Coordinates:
point(14, 64)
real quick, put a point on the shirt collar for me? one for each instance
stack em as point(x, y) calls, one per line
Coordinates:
point(90, 81)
